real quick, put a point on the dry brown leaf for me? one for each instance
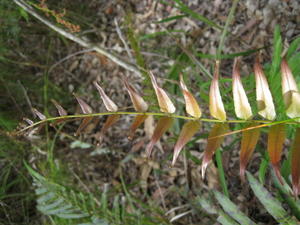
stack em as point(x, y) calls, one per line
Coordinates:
point(213, 144)
point(187, 132)
point(249, 141)
point(40, 115)
point(111, 120)
point(60, 109)
point(85, 108)
point(138, 120)
point(163, 124)
point(276, 139)
point(149, 126)
point(83, 125)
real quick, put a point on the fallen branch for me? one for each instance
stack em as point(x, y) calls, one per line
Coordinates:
point(79, 40)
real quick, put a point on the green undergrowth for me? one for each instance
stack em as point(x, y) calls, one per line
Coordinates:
point(17, 200)
point(63, 204)
point(228, 212)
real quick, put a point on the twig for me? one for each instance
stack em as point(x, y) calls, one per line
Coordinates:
point(180, 215)
point(186, 170)
point(142, 52)
point(160, 193)
point(68, 57)
point(123, 40)
point(26, 97)
point(79, 40)
point(176, 208)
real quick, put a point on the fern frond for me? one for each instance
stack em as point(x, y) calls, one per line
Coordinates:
point(229, 213)
point(250, 131)
point(56, 200)
point(62, 202)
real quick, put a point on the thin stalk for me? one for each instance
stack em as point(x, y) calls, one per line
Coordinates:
point(225, 30)
point(128, 195)
point(186, 169)
point(264, 123)
point(221, 172)
point(50, 155)
point(45, 97)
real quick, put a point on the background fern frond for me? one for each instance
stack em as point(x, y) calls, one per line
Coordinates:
point(56, 200)
point(230, 211)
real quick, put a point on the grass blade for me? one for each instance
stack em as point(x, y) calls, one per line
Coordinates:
point(273, 76)
point(185, 9)
point(296, 163)
point(286, 193)
point(171, 18)
point(221, 172)
point(224, 32)
point(207, 205)
point(293, 47)
point(227, 56)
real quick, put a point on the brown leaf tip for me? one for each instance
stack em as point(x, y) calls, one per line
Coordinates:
point(163, 99)
point(40, 115)
point(60, 109)
point(191, 105)
point(138, 102)
point(216, 106)
point(109, 104)
point(85, 108)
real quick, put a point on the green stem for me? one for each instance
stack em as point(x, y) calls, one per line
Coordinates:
point(225, 30)
point(50, 155)
point(221, 172)
point(285, 194)
point(264, 123)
